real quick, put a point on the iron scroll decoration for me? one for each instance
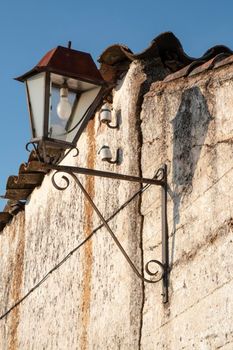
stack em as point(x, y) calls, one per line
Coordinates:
point(159, 179)
point(156, 275)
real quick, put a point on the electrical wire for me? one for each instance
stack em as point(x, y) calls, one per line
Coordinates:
point(141, 190)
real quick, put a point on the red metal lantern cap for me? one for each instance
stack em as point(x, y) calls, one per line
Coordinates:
point(71, 63)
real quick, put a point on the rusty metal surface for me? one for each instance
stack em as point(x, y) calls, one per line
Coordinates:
point(68, 62)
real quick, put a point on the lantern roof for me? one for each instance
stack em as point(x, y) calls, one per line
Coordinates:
point(65, 61)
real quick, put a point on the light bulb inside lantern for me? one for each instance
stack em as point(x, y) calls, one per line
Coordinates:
point(64, 107)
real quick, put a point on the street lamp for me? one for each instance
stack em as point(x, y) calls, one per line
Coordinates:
point(63, 91)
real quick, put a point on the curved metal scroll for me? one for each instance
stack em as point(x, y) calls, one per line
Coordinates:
point(72, 149)
point(41, 153)
point(34, 147)
point(131, 264)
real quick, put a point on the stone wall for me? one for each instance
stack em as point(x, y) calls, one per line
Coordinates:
point(94, 300)
point(188, 125)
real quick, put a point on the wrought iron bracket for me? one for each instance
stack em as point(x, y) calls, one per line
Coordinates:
point(160, 179)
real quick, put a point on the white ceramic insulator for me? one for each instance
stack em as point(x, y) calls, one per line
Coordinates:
point(105, 153)
point(105, 114)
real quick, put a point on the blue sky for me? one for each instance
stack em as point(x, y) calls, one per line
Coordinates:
point(28, 29)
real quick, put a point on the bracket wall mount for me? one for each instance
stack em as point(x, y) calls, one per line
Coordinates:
point(160, 179)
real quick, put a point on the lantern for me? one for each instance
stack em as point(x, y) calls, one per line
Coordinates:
point(63, 91)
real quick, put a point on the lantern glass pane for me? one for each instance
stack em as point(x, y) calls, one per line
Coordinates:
point(79, 96)
point(36, 100)
point(83, 103)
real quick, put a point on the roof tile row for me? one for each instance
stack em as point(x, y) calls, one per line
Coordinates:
point(168, 50)
point(19, 188)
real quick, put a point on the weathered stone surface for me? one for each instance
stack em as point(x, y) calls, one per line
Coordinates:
point(194, 136)
point(94, 300)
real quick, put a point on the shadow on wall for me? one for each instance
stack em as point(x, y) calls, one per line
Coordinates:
point(190, 127)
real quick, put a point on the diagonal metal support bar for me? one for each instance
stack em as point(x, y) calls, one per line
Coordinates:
point(162, 174)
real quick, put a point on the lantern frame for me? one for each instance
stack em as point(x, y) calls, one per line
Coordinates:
point(68, 64)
